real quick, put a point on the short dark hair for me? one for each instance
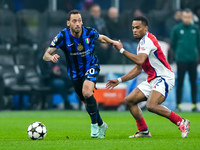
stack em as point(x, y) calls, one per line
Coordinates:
point(74, 11)
point(187, 10)
point(142, 19)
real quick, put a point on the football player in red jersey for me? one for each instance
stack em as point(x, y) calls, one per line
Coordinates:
point(155, 89)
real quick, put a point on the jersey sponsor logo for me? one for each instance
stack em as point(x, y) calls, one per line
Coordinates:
point(82, 54)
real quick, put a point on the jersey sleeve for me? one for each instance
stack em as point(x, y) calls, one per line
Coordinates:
point(57, 41)
point(95, 34)
point(145, 46)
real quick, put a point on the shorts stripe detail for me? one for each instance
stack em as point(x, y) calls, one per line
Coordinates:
point(166, 88)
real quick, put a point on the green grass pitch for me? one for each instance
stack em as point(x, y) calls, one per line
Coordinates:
point(76, 125)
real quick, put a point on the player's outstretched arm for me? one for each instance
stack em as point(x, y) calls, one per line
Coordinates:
point(138, 59)
point(105, 39)
point(50, 56)
point(130, 75)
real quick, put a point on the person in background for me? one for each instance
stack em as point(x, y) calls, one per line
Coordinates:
point(97, 22)
point(185, 43)
point(172, 21)
point(60, 82)
point(116, 28)
point(113, 23)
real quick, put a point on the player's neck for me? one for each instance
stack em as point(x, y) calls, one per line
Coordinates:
point(142, 36)
point(75, 34)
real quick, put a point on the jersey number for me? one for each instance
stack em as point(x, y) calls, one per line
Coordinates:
point(159, 81)
point(90, 71)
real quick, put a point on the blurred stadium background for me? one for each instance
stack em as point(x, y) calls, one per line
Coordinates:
point(28, 26)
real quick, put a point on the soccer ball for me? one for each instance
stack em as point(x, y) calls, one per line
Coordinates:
point(37, 131)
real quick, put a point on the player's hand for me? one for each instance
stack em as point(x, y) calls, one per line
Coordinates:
point(115, 42)
point(55, 58)
point(118, 45)
point(112, 83)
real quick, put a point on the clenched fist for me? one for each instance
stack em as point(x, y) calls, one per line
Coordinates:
point(55, 58)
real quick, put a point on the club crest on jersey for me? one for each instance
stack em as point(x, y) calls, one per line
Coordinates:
point(80, 47)
point(87, 40)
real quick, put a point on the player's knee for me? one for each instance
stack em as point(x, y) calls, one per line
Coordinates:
point(86, 94)
point(128, 101)
point(151, 107)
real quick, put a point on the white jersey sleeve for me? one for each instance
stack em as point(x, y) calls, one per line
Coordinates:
point(146, 46)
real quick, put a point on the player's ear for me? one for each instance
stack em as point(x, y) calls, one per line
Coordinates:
point(68, 23)
point(146, 28)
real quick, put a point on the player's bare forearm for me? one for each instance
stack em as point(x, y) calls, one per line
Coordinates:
point(138, 59)
point(132, 74)
point(50, 56)
point(105, 39)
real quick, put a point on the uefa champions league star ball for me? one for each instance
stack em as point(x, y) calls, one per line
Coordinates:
point(37, 131)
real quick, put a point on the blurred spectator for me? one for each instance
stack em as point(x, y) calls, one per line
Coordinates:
point(116, 29)
point(172, 21)
point(97, 22)
point(137, 12)
point(185, 42)
point(113, 24)
point(55, 75)
point(88, 4)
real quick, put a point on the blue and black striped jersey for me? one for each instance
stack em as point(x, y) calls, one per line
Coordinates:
point(79, 52)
